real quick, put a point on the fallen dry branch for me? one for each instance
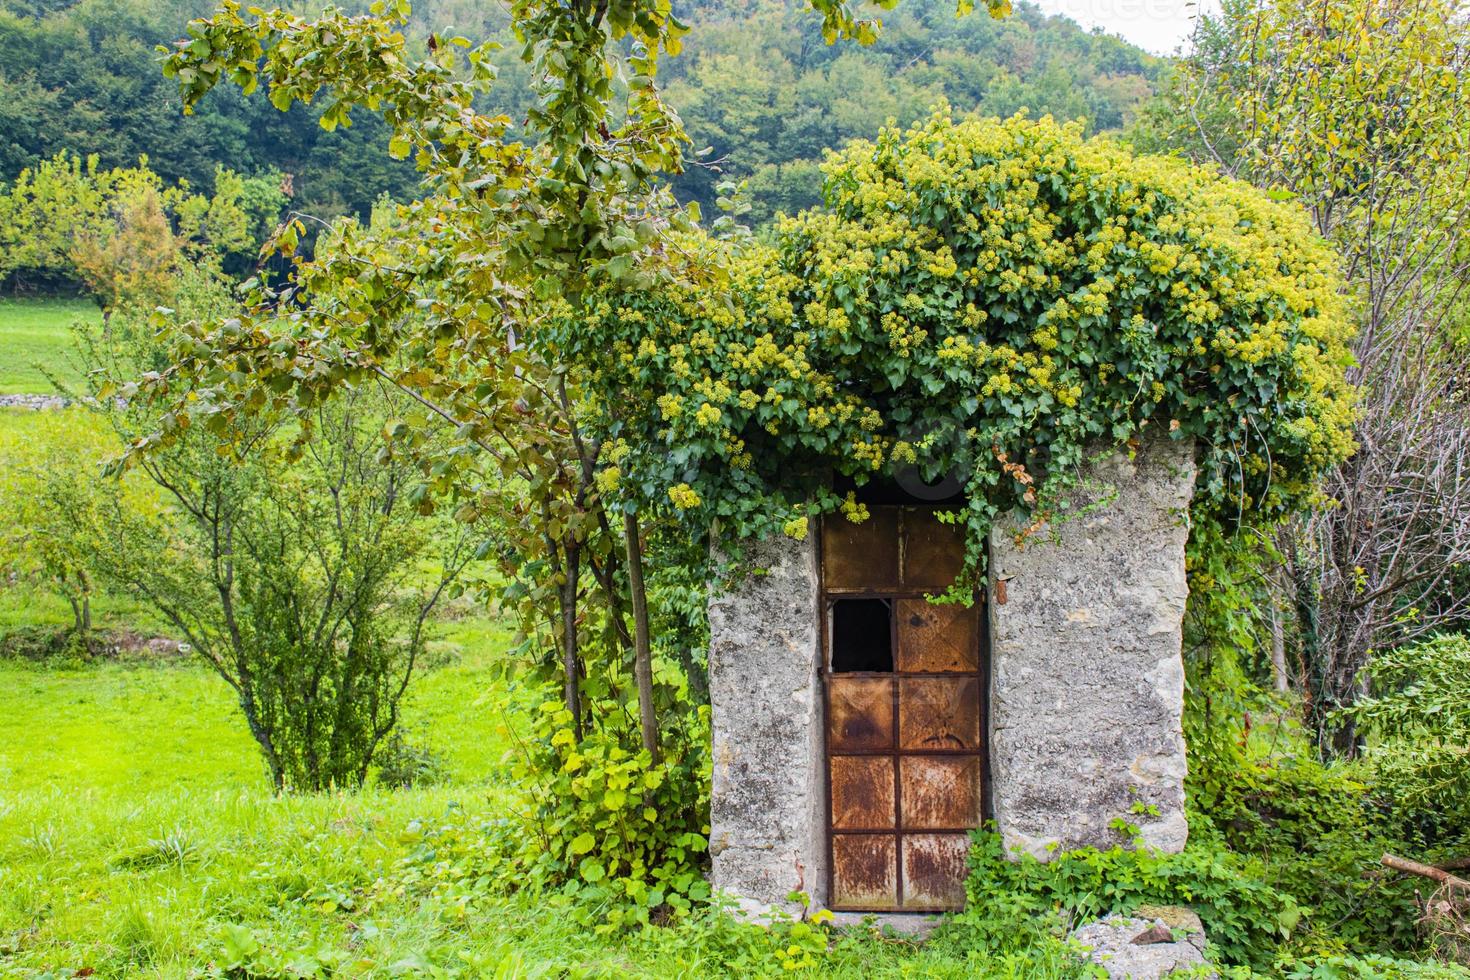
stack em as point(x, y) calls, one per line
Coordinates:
point(1445, 916)
point(1425, 871)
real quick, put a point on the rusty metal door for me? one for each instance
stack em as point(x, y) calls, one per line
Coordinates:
point(905, 745)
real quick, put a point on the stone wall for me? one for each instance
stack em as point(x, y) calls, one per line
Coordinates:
point(34, 402)
point(1086, 694)
point(1087, 683)
point(768, 806)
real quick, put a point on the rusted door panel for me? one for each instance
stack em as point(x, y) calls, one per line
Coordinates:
point(859, 713)
point(862, 792)
point(861, 557)
point(937, 639)
point(865, 871)
point(939, 792)
point(905, 749)
point(934, 868)
point(939, 714)
point(933, 553)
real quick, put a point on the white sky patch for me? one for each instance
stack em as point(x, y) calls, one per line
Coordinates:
point(1158, 26)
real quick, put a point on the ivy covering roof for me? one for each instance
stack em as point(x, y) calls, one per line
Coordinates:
point(996, 299)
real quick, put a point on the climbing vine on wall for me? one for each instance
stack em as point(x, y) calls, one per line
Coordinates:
point(995, 300)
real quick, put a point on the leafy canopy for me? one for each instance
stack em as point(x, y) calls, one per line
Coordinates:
point(123, 234)
point(991, 299)
point(986, 299)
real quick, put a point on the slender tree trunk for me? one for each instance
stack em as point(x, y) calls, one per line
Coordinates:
point(572, 689)
point(86, 613)
point(1279, 674)
point(642, 652)
point(1347, 740)
point(1320, 698)
point(263, 739)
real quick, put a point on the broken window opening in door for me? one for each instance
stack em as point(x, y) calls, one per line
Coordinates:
point(862, 636)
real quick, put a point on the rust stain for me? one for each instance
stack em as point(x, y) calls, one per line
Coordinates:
point(861, 557)
point(933, 639)
point(933, 553)
point(940, 791)
point(862, 792)
point(865, 871)
point(934, 871)
point(939, 713)
point(860, 713)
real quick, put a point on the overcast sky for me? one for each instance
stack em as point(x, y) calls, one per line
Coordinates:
point(1160, 26)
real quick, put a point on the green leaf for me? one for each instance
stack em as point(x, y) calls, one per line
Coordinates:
point(619, 267)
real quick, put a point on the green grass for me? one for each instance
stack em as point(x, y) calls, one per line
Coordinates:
point(138, 839)
point(157, 726)
point(135, 819)
point(98, 729)
point(35, 333)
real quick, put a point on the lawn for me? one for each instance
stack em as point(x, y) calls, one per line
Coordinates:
point(135, 822)
point(138, 838)
point(34, 333)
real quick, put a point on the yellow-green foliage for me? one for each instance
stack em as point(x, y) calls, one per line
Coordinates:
point(1313, 120)
point(996, 298)
point(122, 233)
point(50, 472)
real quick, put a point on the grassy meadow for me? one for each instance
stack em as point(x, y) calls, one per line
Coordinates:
point(34, 334)
point(135, 819)
point(138, 838)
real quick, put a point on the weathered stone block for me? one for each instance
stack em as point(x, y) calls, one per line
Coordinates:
point(1144, 947)
point(1087, 682)
point(768, 805)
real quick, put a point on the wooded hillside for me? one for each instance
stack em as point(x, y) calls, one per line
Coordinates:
point(765, 95)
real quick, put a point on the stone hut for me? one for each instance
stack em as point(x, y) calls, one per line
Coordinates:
point(861, 731)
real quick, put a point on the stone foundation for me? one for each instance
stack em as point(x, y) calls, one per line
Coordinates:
point(1087, 683)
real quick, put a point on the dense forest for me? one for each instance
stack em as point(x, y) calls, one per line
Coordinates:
point(760, 92)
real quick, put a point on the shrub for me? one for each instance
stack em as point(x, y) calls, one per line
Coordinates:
point(306, 586)
point(303, 576)
point(1371, 967)
point(401, 763)
point(49, 644)
point(1418, 723)
point(613, 828)
point(1317, 834)
point(1023, 900)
